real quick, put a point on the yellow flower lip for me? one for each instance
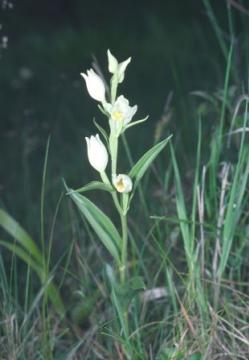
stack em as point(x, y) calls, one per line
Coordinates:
point(117, 115)
point(120, 185)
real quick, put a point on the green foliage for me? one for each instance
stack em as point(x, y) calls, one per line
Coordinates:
point(93, 185)
point(192, 254)
point(100, 223)
point(20, 235)
point(182, 212)
point(140, 167)
point(31, 255)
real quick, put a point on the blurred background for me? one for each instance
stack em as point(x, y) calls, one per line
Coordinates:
point(45, 46)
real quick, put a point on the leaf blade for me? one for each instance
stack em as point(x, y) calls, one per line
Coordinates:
point(145, 161)
point(12, 227)
point(100, 223)
point(50, 288)
point(93, 185)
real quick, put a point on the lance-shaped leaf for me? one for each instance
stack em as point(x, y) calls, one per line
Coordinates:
point(133, 123)
point(101, 130)
point(22, 254)
point(118, 299)
point(49, 287)
point(93, 185)
point(14, 229)
point(100, 223)
point(123, 294)
point(31, 255)
point(145, 161)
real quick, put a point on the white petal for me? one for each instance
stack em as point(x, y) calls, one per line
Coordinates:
point(95, 85)
point(112, 62)
point(97, 153)
point(121, 69)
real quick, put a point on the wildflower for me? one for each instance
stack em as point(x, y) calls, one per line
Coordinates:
point(122, 183)
point(121, 114)
point(95, 85)
point(97, 153)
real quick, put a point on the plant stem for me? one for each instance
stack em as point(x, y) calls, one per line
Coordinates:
point(123, 268)
point(106, 180)
point(114, 152)
point(114, 86)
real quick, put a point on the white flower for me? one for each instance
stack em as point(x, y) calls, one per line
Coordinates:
point(95, 85)
point(116, 68)
point(121, 114)
point(97, 153)
point(122, 183)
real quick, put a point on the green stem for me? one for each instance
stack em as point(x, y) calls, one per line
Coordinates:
point(114, 86)
point(123, 268)
point(123, 218)
point(106, 180)
point(114, 152)
point(117, 204)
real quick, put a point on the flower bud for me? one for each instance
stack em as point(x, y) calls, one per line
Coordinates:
point(97, 153)
point(117, 68)
point(122, 183)
point(95, 85)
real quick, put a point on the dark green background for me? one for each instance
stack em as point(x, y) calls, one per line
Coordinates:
point(173, 49)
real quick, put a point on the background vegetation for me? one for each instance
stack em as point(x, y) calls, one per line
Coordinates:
point(189, 228)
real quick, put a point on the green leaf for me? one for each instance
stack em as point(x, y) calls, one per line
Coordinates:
point(82, 310)
point(22, 254)
point(101, 130)
point(49, 288)
point(125, 202)
point(30, 254)
point(55, 298)
point(93, 185)
point(182, 212)
point(137, 283)
point(118, 298)
point(145, 161)
point(196, 356)
point(170, 353)
point(133, 123)
point(18, 233)
point(126, 292)
point(100, 223)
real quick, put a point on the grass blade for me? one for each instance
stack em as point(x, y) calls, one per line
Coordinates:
point(19, 234)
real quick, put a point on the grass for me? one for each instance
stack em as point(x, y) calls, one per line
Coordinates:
point(188, 240)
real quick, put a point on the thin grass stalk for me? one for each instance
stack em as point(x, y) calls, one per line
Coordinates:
point(201, 209)
point(216, 27)
point(123, 267)
point(217, 142)
point(236, 196)
point(196, 181)
point(182, 215)
point(45, 320)
point(220, 222)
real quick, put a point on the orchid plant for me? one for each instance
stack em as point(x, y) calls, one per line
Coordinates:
point(103, 148)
